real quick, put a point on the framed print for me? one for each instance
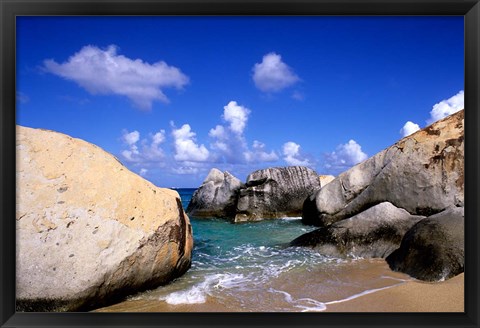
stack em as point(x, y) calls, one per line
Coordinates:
point(198, 163)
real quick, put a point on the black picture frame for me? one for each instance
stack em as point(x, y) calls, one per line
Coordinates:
point(9, 9)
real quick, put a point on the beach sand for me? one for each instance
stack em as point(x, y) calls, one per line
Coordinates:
point(362, 286)
point(412, 296)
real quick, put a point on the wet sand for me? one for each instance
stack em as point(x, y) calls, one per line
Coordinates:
point(361, 286)
point(412, 296)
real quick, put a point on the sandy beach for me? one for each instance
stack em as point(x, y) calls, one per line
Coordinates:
point(369, 286)
point(412, 296)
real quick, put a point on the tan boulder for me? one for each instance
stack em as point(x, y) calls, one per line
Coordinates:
point(325, 179)
point(89, 231)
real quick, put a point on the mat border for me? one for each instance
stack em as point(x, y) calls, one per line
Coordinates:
point(9, 9)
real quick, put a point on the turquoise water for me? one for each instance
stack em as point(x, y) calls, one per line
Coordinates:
point(249, 267)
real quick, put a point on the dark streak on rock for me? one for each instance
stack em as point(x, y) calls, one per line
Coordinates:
point(427, 211)
point(178, 232)
point(254, 183)
point(454, 142)
point(431, 131)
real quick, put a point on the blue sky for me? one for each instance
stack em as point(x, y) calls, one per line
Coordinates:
point(172, 97)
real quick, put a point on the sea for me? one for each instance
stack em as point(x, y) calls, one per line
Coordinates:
point(249, 267)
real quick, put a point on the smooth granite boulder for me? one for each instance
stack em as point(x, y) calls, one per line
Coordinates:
point(373, 233)
point(275, 193)
point(422, 173)
point(216, 197)
point(433, 249)
point(89, 231)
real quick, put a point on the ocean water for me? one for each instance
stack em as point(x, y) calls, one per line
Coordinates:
point(249, 267)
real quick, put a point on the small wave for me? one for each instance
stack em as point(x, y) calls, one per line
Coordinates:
point(393, 278)
point(291, 218)
point(199, 292)
point(306, 304)
point(274, 270)
point(370, 291)
point(195, 295)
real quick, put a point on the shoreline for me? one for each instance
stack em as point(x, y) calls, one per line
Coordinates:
point(371, 287)
point(410, 296)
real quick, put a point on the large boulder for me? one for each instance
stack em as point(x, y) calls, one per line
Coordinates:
point(89, 231)
point(374, 233)
point(216, 197)
point(276, 192)
point(422, 173)
point(433, 249)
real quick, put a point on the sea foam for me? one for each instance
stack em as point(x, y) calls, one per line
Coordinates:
point(198, 293)
point(194, 295)
point(305, 304)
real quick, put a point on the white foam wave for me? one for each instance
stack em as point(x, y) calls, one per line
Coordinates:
point(306, 304)
point(362, 294)
point(198, 293)
point(229, 280)
point(194, 295)
point(291, 218)
point(393, 278)
point(275, 270)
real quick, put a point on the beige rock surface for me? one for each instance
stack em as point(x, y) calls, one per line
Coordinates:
point(89, 230)
point(325, 179)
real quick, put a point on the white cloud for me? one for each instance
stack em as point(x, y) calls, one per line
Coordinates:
point(150, 150)
point(158, 137)
point(105, 72)
point(272, 74)
point(229, 143)
point(292, 155)
point(344, 157)
point(447, 107)
point(409, 128)
point(217, 132)
point(297, 95)
point(186, 148)
point(184, 170)
point(131, 138)
point(259, 154)
point(143, 172)
point(236, 116)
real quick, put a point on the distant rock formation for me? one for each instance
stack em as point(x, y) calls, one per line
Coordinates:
point(216, 197)
point(276, 192)
point(422, 173)
point(89, 231)
point(433, 249)
point(267, 194)
point(367, 210)
point(375, 232)
point(325, 179)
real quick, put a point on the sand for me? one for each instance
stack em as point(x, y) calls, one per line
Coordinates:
point(412, 296)
point(375, 288)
